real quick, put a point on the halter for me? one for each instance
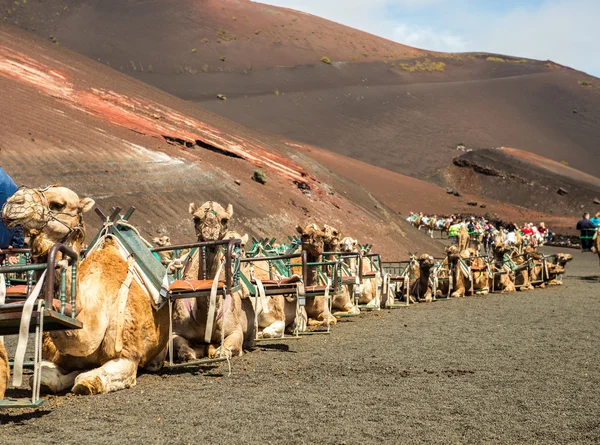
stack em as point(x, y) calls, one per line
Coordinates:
point(46, 214)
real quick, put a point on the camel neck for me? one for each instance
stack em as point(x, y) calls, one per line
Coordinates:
point(313, 276)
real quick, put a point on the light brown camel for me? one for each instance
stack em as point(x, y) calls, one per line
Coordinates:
point(342, 301)
point(557, 268)
point(276, 313)
point(90, 360)
point(4, 370)
point(462, 277)
point(481, 275)
point(234, 315)
point(505, 281)
point(313, 243)
point(463, 238)
point(369, 291)
point(522, 278)
point(421, 288)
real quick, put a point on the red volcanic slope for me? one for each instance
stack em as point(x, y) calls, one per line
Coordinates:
point(70, 120)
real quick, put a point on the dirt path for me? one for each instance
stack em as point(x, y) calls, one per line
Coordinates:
point(519, 368)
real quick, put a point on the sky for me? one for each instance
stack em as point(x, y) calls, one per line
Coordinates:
point(564, 31)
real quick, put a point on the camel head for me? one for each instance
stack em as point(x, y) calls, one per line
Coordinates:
point(426, 262)
point(48, 215)
point(162, 241)
point(313, 239)
point(348, 244)
point(211, 220)
point(235, 235)
point(563, 258)
point(453, 253)
point(332, 235)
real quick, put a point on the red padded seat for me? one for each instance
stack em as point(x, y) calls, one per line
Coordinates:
point(20, 290)
point(180, 286)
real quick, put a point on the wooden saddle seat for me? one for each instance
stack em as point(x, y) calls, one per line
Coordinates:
point(281, 282)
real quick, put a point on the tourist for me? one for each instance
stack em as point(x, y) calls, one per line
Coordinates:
point(596, 220)
point(586, 232)
point(9, 238)
point(453, 232)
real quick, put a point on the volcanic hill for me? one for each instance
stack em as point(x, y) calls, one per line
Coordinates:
point(403, 109)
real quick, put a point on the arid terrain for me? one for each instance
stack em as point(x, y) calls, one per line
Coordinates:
point(516, 368)
point(407, 110)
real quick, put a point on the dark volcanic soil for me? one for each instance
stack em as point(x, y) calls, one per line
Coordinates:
point(518, 368)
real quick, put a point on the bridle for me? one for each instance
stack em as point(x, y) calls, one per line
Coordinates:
point(47, 214)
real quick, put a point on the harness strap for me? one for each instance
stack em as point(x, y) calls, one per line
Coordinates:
point(24, 330)
point(263, 297)
point(212, 305)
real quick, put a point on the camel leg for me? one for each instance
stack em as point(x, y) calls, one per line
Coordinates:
point(274, 330)
point(232, 346)
point(157, 362)
point(54, 379)
point(182, 350)
point(460, 292)
point(114, 375)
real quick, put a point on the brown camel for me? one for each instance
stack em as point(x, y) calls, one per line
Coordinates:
point(313, 243)
point(557, 268)
point(421, 288)
point(522, 268)
point(464, 238)
point(93, 359)
point(462, 277)
point(505, 281)
point(342, 301)
point(234, 315)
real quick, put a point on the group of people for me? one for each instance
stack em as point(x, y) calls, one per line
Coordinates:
point(478, 226)
point(588, 229)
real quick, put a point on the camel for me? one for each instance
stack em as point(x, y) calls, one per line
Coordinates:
point(4, 370)
point(93, 359)
point(481, 274)
point(504, 282)
point(522, 278)
point(276, 313)
point(464, 238)
point(421, 288)
point(368, 292)
point(313, 243)
point(557, 268)
point(462, 276)
point(234, 314)
point(342, 302)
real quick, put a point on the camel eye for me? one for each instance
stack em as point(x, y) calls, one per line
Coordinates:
point(224, 221)
point(57, 206)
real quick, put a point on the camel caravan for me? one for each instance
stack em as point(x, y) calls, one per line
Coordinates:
point(99, 312)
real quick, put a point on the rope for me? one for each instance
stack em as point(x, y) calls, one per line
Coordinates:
point(212, 305)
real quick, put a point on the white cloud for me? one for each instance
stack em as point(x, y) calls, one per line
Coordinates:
point(428, 38)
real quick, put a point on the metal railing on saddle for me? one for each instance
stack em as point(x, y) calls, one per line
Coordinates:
point(348, 275)
point(373, 260)
point(441, 278)
point(280, 282)
point(26, 310)
point(396, 283)
point(202, 287)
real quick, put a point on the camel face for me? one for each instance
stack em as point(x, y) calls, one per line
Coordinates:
point(453, 253)
point(162, 241)
point(332, 235)
point(426, 262)
point(348, 244)
point(55, 211)
point(211, 220)
point(313, 239)
point(563, 258)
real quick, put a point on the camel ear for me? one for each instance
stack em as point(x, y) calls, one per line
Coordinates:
point(300, 230)
point(192, 208)
point(229, 211)
point(244, 239)
point(86, 204)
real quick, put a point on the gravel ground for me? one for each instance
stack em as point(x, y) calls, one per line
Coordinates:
point(518, 368)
